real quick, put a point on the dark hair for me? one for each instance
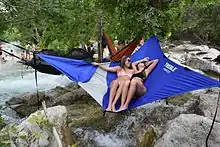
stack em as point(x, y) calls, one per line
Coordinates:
point(144, 62)
point(121, 42)
point(123, 60)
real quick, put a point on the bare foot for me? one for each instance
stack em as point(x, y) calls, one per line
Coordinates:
point(113, 108)
point(108, 109)
point(122, 109)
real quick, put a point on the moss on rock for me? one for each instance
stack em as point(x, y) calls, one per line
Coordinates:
point(2, 124)
point(87, 113)
point(181, 99)
point(148, 138)
point(4, 138)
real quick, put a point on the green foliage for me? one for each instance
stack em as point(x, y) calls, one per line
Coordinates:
point(4, 135)
point(26, 137)
point(74, 145)
point(1, 120)
point(2, 123)
point(12, 34)
point(41, 121)
point(65, 24)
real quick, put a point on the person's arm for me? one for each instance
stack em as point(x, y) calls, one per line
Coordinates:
point(134, 67)
point(107, 68)
point(151, 65)
point(134, 64)
point(145, 59)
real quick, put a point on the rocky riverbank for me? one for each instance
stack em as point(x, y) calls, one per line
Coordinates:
point(184, 121)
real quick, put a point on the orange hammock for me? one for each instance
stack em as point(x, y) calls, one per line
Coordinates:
point(125, 51)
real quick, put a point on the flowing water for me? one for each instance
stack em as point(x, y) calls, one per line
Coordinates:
point(124, 133)
point(17, 79)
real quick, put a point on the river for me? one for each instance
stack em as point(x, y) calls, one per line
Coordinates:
point(17, 79)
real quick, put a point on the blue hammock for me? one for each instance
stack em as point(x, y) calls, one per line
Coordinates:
point(167, 79)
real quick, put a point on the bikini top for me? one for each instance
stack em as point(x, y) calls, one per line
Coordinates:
point(141, 75)
point(124, 74)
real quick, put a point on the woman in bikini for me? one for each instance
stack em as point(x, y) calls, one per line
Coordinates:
point(137, 88)
point(120, 85)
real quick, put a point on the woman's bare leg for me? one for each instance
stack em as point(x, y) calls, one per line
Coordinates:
point(136, 86)
point(130, 95)
point(117, 96)
point(113, 90)
point(124, 93)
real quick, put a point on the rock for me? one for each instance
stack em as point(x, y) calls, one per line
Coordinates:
point(146, 137)
point(70, 97)
point(155, 116)
point(89, 114)
point(208, 103)
point(189, 130)
point(203, 65)
point(198, 57)
point(56, 92)
point(185, 103)
point(2, 123)
point(4, 138)
point(139, 127)
point(72, 86)
point(36, 130)
point(28, 103)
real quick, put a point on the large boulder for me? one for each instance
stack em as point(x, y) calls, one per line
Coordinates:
point(189, 130)
point(208, 102)
point(90, 127)
point(70, 97)
point(28, 103)
point(196, 56)
point(37, 129)
point(87, 113)
point(141, 126)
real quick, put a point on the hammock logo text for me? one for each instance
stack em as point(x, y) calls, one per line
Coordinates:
point(169, 68)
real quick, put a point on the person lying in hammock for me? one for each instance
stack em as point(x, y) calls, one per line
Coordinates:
point(124, 74)
point(137, 88)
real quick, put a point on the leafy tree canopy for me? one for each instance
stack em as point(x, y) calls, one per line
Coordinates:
point(67, 23)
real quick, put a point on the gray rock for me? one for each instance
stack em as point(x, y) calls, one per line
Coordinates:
point(208, 103)
point(189, 130)
point(69, 97)
point(198, 57)
point(38, 132)
point(26, 104)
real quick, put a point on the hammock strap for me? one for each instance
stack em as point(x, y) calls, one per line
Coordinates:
point(35, 72)
point(13, 55)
